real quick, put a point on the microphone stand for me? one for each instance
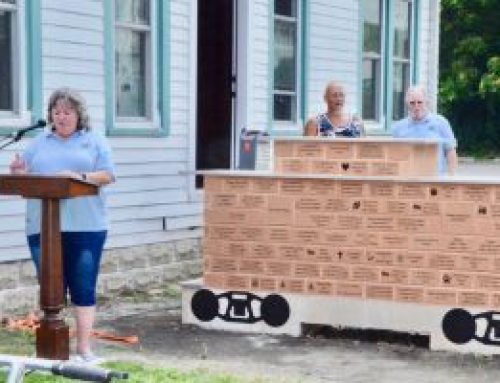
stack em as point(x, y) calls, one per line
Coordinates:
point(11, 139)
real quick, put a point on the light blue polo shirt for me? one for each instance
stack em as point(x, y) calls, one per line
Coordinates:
point(82, 152)
point(432, 126)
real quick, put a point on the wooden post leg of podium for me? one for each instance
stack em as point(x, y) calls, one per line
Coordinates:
point(52, 337)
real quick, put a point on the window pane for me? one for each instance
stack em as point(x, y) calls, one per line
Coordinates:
point(132, 11)
point(401, 81)
point(130, 70)
point(6, 75)
point(285, 44)
point(372, 26)
point(402, 29)
point(371, 89)
point(8, 1)
point(284, 107)
point(285, 8)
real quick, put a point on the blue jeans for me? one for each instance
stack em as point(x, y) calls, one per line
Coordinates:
point(81, 252)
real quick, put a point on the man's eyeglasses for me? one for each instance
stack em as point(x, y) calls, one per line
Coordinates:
point(416, 102)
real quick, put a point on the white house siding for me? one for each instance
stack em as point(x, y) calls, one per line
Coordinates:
point(259, 31)
point(151, 202)
point(334, 51)
point(428, 59)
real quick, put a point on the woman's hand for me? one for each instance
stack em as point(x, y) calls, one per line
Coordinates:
point(18, 165)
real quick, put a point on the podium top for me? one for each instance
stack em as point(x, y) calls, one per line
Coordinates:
point(43, 186)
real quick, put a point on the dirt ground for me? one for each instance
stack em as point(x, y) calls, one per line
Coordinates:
point(164, 341)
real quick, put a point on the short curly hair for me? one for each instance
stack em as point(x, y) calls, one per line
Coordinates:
point(76, 100)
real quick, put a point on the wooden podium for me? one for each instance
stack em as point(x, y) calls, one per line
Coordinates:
point(52, 337)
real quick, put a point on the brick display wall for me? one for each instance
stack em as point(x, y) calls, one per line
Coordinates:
point(355, 157)
point(432, 242)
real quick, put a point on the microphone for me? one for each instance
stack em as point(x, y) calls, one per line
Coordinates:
point(21, 132)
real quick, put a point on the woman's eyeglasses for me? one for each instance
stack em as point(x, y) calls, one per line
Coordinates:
point(416, 102)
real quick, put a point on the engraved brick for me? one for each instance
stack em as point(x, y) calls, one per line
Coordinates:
point(335, 272)
point(399, 152)
point(380, 223)
point(393, 276)
point(385, 169)
point(364, 274)
point(382, 189)
point(339, 150)
point(397, 207)
point(309, 150)
point(213, 184)
point(379, 257)
point(479, 193)
point(309, 204)
point(424, 277)
point(349, 255)
point(358, 168)
point(339, 238)
point(351, 189)
point(279, 234)
point(379, 292)
point(252, 201)
point(472, 298)
point(456, 279)
point(276, 268)
point(459, 244)
point(291, 252)
point(442, 261)
point(374, 151)
point(336, 205)
point(262, 250)
point(440, 297)
point(412, 191)
point(223, 200)
point(321, 287)
point(322, 187)
point(410, 259)
point(349, 222)
point(297, 286)
point(236, 185)
point(292, 186)
point(238, 282)
point(283, 148)
point(423, 242)
point(251, 266)
point(346, 289)
point(264, 185)
point(475, 262)
point(319, 254)
point(409, 294)
point(221, 265)
point(306, 236)
point(488, 282)
point(292, 165)
point(325, 167)
point(215, 280)
point(306, 270)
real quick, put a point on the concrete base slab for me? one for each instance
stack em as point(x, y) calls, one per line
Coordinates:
point(355, 313)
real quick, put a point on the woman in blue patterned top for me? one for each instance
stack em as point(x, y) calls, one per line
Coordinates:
point(334, 123)
point(71, 148)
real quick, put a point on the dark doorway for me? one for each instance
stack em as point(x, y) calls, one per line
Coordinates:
point(214, 96)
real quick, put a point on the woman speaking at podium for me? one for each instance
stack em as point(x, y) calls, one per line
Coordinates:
point(71, 148)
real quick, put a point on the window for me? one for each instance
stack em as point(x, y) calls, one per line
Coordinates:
point(8, 44)
point(285, 83)
point(133, 60)
point(388, 58)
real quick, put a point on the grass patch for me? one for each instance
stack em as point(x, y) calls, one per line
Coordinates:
point(16, 342)
point(146, 374)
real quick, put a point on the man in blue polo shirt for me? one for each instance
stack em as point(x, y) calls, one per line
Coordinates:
point(421, 123)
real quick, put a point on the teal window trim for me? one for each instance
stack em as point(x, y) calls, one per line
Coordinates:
point(33, 54)
point(389, 64)
point(302, 88)
point(162, 31)
point(387, 58)
point(416, 41)
point(270, 108)
point(305, 59)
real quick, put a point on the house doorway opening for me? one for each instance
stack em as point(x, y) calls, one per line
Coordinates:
point(215, 82)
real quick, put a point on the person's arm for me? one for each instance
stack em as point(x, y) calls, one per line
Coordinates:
point(311, 128)
point(452, 160)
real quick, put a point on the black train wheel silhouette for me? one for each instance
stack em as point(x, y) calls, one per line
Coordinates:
point(459, 326)
point(274, 310)
point(205, 305)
